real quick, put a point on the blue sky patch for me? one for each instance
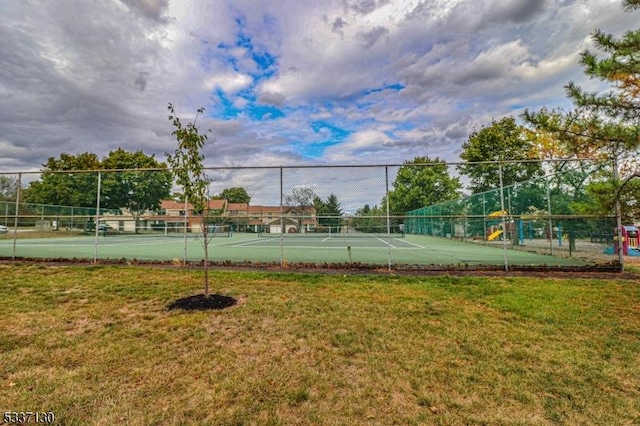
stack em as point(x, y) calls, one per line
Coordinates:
point(336, 132)
point(225, 109)
point(396, 87)
point(263, 112)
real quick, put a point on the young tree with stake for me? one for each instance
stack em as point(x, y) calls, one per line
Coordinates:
point(188, 169)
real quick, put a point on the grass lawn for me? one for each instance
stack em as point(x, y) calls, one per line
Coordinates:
point(97, 346)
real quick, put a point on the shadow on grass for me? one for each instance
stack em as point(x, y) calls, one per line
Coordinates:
point(199, 302)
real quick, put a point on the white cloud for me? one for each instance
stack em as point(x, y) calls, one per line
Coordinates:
point(359, 148)
point(230, 82)
point(240, 103)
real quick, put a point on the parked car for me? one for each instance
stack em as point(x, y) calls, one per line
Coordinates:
point(102, 227)
point(3, 229)
point(105, 229)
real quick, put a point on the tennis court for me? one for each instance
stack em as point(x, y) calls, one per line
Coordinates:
point(419, 250)
point(290, 219)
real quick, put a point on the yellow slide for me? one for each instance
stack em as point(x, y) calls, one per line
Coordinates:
point(494, 235)
point(499, 213)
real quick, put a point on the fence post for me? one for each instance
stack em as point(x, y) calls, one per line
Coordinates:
point(616, 176)
point(95, 241)
point(504, 223)
point(15, 216)
point(282, 230)
point(546, 178)
point(466, 220)
point(186, 226)
point(386, 179)
point(484, 218)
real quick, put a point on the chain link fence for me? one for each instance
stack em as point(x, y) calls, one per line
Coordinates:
point(544, 215)
point(486, 215)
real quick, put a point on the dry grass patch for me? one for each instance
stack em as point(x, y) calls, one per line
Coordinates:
point(97, 345)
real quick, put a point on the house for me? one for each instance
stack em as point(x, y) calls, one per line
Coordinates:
point(238, 215)
point(170, 218)
point(174, 216)
point(125, 221)
point(276, 219)
point(305, 217)
point(261, 218)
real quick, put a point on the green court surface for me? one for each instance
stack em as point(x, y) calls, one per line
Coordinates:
point(320, 249)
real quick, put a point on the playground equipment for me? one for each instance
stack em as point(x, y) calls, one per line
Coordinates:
point(494, 235)
point(630, 245)
point(499, 213)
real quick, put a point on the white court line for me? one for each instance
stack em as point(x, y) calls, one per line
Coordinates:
point(290, 248)
point(248, 243)
point(90, 242)
point(136, 241)
point(238, 245)
point(415, 245)
point(119, 244)
point(386, 242)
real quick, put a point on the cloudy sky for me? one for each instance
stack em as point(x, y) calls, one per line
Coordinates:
point(283, 82)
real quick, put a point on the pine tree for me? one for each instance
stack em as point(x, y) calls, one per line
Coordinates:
point(602, 124)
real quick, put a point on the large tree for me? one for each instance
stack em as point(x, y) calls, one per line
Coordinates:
point(69, 180)
point(134, 190)
point(8, 188)
point(72, 180)
point(235, 195)
point(422, 182)
point(329, 211)
point(503, 140)
point(369, 219)
point(300, 203)
point(601, 199)
point(8, 195)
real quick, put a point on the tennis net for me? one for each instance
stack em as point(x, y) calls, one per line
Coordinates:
point(214, 231)
point(340, 232)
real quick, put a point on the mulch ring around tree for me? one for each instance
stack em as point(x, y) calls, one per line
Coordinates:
point(199, 302)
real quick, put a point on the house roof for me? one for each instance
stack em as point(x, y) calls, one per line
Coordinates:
point(223, 205)
point(217, 204)
point(179, 205)
point(174, 205)
point(238, 207)
point(271, 209)
point(305, 209)
point(263, 209)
